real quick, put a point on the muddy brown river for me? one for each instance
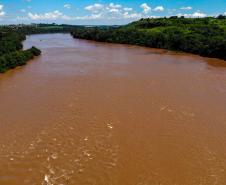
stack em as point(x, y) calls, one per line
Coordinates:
point(88, 113)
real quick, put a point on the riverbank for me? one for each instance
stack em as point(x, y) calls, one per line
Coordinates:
point(201, 36)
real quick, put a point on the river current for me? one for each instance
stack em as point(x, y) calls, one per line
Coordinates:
point(89, 113)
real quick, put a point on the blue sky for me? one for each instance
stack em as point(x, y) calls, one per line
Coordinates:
point(103, 11)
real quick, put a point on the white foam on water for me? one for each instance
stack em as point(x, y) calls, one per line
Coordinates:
point(109, 125)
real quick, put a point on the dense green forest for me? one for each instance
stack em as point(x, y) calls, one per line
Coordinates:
point(11, 37)
point(202, 36)
point(17, 58)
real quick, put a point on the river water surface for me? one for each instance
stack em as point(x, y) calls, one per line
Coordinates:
point(88, 113)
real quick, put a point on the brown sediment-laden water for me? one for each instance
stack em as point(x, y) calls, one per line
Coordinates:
point(88, 113)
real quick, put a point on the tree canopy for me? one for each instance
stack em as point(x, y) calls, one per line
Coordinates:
point(202, 36)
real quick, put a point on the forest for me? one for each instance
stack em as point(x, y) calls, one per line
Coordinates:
point(202, 36)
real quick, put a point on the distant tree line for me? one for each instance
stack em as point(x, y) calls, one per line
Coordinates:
point(39, 28)
point(202, 36)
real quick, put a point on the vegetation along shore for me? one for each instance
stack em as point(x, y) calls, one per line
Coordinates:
point(202, 36)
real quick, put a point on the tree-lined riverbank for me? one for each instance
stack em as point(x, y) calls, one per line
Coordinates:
point(202, 36)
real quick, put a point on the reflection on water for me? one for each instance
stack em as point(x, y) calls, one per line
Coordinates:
point(216, 63)
point(94, 113)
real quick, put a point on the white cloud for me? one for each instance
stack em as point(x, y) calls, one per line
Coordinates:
point(109, 8)
point(88, 17)
point(112, 5)
point(2, 13)
point(127, 15)
point(199, 14)
point(159, 9)
point(146, 8)
point(113, 10)
point(110, 11)
point(96, 11)
point(111, 14)
point(95, 8)
point(186, 8)
point(127, 9)
point(193, 15)
point(68, 6)
point(224, 13)
point(47, 16)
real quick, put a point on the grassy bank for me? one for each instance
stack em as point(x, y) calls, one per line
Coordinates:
point(202, 36)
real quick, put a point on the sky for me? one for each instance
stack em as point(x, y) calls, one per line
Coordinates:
point(103, 12)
